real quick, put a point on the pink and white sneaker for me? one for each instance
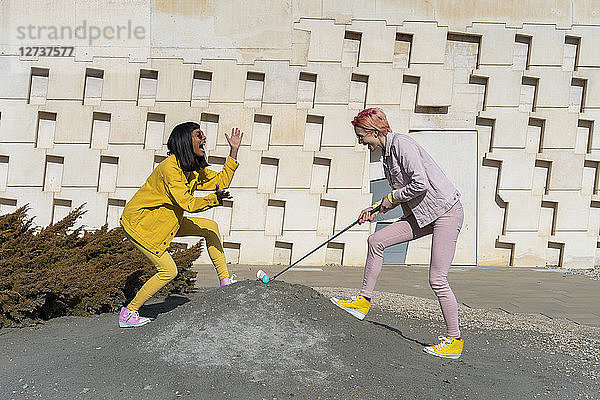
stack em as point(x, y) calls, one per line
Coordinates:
point(130, 319)
point(227, 281)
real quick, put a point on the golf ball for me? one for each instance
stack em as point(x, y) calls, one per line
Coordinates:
point(263, 276)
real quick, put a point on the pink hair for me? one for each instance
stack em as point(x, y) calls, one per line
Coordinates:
point(372, 118)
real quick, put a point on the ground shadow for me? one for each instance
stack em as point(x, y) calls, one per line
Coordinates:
point(168, 304)
point(398, 332)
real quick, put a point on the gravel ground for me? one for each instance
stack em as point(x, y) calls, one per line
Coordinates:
point(592, 273)
point(581, 344)
point(255, 341)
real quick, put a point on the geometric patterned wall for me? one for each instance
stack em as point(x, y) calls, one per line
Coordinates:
point(508, 108)
point(539, 122)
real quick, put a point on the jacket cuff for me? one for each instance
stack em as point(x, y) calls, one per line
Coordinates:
point(233, 161)
point(392, 199)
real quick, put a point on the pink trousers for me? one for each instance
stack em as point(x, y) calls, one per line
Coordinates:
point(445, 231)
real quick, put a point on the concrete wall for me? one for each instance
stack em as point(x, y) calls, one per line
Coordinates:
point(503, 94)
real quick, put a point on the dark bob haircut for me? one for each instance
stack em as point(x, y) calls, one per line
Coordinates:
point(180, 144)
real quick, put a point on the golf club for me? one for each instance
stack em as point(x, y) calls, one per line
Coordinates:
point(261, 275)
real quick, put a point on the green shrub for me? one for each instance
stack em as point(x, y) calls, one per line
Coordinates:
point(70, 271)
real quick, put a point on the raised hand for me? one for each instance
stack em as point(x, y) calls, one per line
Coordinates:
point(234, 140)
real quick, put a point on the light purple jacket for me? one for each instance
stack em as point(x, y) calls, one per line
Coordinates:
point(417, 180)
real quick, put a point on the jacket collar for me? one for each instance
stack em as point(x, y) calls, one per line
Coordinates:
point(388, 144)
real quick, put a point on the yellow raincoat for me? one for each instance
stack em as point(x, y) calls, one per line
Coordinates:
point(154, 214)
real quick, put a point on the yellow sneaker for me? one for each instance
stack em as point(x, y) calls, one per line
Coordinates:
point(448, 348)
point(357, 306)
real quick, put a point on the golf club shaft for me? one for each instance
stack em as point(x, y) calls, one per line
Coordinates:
point(376, 209)
point(321, 245)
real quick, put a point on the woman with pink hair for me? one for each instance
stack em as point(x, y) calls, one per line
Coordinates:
point(431, 206)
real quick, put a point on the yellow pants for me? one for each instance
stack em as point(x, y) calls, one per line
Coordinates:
point(167, 270)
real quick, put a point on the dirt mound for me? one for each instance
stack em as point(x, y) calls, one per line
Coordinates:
point(267, 332)
point(279, 335)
